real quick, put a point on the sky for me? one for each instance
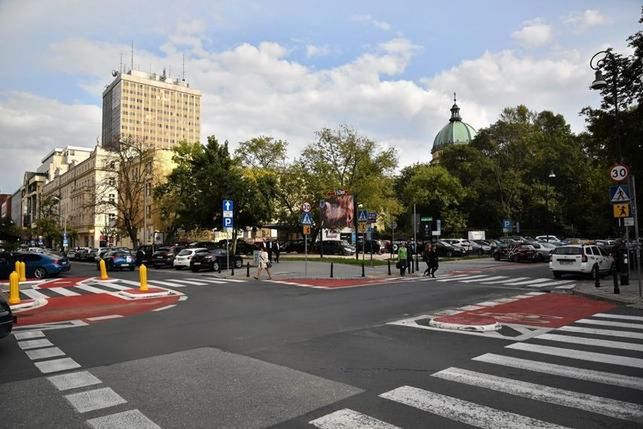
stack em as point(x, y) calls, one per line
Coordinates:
point(287, 69)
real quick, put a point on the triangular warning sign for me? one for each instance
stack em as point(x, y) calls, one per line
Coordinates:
point(620, 196)
point(306, 219)
point(362, 216)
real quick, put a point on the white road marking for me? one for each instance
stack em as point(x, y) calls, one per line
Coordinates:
point(110, 316)
point(219, 282)
point(579, 354)
point(34, 344)
point(89, 288)
point(233, 280)
point(618, 316)
point(56, 365)
point(132, 419)
point(610, 323)
point(592, 342)
point(470, 308)
point(487, 279)
point(48, 352)
point(115, 286)
point(187, 282)
point(454, 276)
point(34, 294)
point(528, 282)
point(463, 411)
point(64, 291)
point(606, 332)
point(349, 419)
point(536, 293)
point(162, 283)
point(73, 380)
point(557, 283)
point(28, 335)
point(167, 307)
point(96, 399)
point(488, 304)
point(564, 371)
point(515, 279)
point(463, 278)
point(552, 395)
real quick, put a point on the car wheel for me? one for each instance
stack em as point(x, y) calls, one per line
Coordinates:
point(557, 274)
point(513, 258)
point(540, 258)
point(238, 263)
point(40, 273)
point(215, 266)
point(177, 268)
point(496, 256)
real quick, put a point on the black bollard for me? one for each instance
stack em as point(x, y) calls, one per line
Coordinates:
point(615, 276)
point(232, 272)
point(389, 267)
point(331, 270)
point(597, 280)
point(219, 270)
point(363, 274)
point(248, 270)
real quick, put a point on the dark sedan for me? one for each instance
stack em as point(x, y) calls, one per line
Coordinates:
point(7, 319)
point(164, 256)
point(449, 250)
point(118, 260)
point(214, 260)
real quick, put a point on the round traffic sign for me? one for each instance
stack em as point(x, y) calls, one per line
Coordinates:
point(619, 172)
point(393, 225)
point(305, 207)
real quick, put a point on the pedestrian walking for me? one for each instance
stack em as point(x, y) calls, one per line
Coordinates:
point(425, 258)
point(402, 258)
point(277, 250)
point(270, 251)
point(433, 261)
point(263, 263)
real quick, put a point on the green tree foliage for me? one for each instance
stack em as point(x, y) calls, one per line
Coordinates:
point(9, 233)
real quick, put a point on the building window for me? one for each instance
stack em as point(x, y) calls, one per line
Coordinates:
point(112, 198)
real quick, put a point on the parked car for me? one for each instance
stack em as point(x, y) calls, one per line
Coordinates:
point(543, 250)
point(523, 252)
point(164, 256)
point(296, 246)
point(548, 238)
point(580, 259)
point(118, 260)
point(182, 260)
point(7, 319)
point(42, 265)
point(449, 250)
point(370, 246)
point(144, 254)
point(207, 244)
point(481, 247)
point(460, 242)
point(335, 247)
point(214, 259)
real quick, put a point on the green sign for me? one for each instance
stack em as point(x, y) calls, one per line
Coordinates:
point(426, 219)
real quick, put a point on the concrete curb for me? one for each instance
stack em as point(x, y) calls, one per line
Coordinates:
point(482, 327)
point(23, 306)
point(138, 295)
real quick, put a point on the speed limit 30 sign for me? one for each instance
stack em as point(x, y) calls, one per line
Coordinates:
point(619, 172)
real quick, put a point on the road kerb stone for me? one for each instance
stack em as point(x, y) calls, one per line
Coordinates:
point(466, 322)
point(151, 293)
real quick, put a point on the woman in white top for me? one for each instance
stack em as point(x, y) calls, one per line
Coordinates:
point(264, 263)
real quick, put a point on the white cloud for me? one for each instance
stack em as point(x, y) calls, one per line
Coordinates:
point(583, 21)
point(317, 51)
point(533, 33)
point(380, 25)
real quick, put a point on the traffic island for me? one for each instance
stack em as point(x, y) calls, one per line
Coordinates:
point(152, 292)
point(465, 322)
point(28, 305)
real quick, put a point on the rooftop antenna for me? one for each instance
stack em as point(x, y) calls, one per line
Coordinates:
point(132, 57)
point(120, 66)
point(169, 73)
point(454, 98)
point(183, 68)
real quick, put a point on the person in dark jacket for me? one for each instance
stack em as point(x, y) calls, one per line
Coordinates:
point(433, 261)
point(425, 257)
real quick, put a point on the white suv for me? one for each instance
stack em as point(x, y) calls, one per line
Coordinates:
point(580, 258)
point(182, 260)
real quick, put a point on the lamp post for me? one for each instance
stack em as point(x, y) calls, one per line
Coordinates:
point(550, 177)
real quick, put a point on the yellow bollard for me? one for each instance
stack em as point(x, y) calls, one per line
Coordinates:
point(14, 289)
point(142, 274)
point(103, 270)
point(17, 268)
point(23, 271)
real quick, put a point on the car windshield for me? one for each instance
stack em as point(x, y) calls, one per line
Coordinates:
point(568, 251)
point(186, 252)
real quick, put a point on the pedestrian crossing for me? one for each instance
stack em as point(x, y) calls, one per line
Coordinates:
point(591, 370)
point(494, 279)
point(95, 286)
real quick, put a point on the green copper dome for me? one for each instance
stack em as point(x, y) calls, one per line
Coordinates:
point(455, 132)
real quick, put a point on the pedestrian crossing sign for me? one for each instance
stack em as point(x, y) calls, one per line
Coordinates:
point(362, 216)
point(621, 210)
point(306, 218)
point(619, 194)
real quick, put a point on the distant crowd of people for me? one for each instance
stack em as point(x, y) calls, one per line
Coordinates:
point(429, 254)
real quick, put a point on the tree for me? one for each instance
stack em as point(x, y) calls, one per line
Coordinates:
point(9, 233)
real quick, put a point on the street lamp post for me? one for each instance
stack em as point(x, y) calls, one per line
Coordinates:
point(550, 177)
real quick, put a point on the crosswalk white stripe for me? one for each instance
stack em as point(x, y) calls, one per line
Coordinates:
point(558, 283)
point(618, 316)
point(64, 291)
point(115, 286)
point(607, 332)
point(591, 342)
point(164, 283)
point(187, 282)
point(463, 278)
point(235, 280)
point(454, 276)
point(529, 282)
point(564, 371)
point(130, 282)
point(34, 294)
point(349, 419)
point(219, 282)
point(89, 288)
point(553, 395)
point(610, 323)
point(497, 282)
point(153, 283)
point(488, 278)
point(463, 411)
point(579, 354)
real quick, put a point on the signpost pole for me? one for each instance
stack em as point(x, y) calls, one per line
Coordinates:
point(305, 255)
point(636, 233)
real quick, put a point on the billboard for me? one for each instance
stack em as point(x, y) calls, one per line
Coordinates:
point(337, 212)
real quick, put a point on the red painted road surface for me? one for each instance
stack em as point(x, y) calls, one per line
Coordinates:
point(466, 319)
point(90, 306)
point(547, 310)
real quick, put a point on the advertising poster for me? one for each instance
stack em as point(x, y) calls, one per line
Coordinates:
point(337, 212)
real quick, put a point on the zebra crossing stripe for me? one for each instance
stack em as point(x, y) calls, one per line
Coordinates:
point(463, 278)
point(564, 371)
point(153, 283)
point(187, 282)
point(558, 283)
point(463, 411)
point(592, 342)
point(89, 288)
point(610, 323)
point(618, 316)
point(528, 282)
point(164, 283)
point(497, 282)
point(349, 419)
point(64, 291)
point(34, 294)
point(234, 280)
point(218, 282)
point(489, 278)
point(606, 332)
point(115, 286)
point(579, 354)
point(553, 395)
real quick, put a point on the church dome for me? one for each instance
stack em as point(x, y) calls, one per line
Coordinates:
point(455, 132)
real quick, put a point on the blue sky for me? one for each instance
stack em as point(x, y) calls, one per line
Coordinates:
point(288, 68)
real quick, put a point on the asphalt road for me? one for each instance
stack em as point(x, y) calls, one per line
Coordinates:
point(255, 354)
